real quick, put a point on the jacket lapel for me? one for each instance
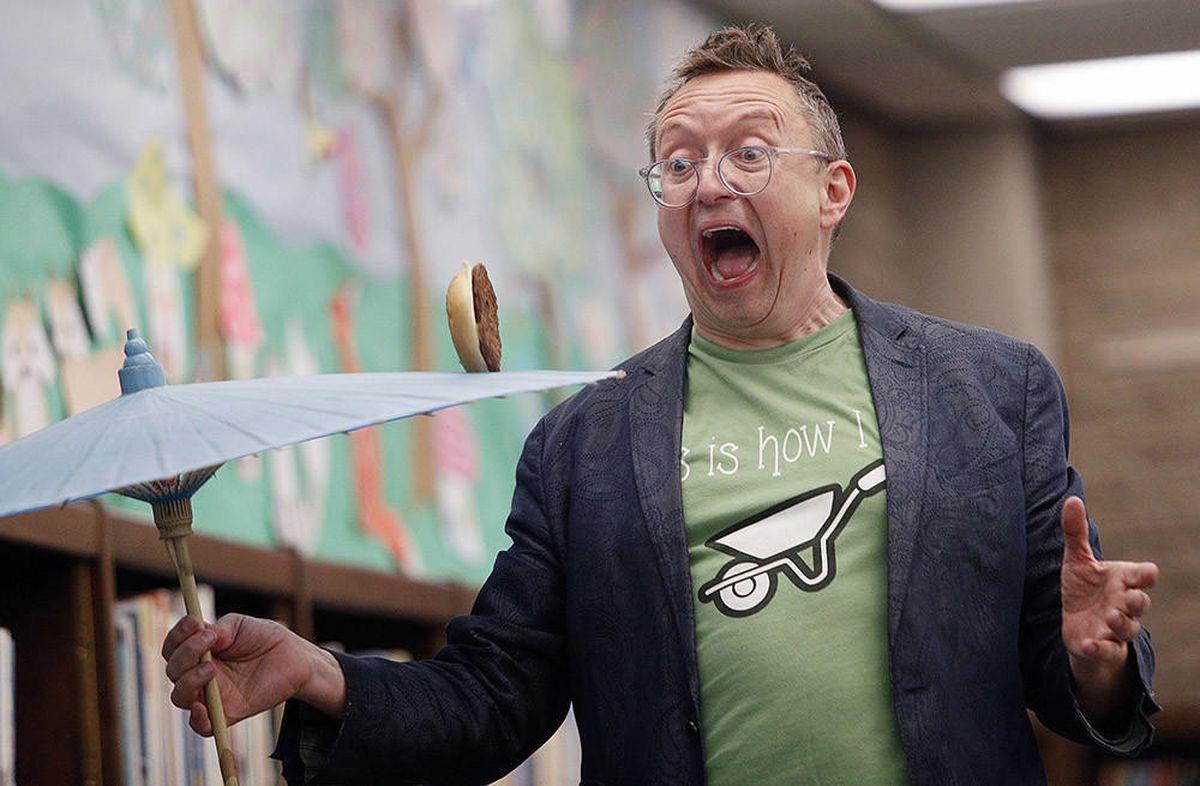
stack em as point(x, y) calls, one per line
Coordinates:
point(896, 372)
point(656, 429)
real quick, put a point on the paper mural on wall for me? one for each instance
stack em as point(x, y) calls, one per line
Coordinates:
point(554, 22)
point(298, 475)
point(350, 188)
point(107, 294)
point(238, 320)
point(253, 42)
point(530, 88)
point(87, 377)
point(375, 516)
point(139, 32)
point(438, 40)
point(68, 333)
point(166, 328)
point(27, 367)
point(617, 92)
point(165, 229)
point(365, 30)
point(5, 431)
point(501, 129)
point(456, 456)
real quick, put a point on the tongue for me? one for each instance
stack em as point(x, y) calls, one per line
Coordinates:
point(734, 261)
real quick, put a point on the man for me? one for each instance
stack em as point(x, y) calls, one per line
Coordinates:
point(810, 538)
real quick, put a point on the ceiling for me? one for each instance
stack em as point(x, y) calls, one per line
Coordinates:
point(941, 67)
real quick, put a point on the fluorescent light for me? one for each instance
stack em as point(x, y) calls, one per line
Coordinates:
point(1110, 86)
point(938, 5)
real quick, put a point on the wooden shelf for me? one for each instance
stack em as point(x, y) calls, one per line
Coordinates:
point(70, 530)
point(62, 570)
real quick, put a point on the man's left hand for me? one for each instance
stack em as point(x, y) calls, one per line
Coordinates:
point(1102, 605)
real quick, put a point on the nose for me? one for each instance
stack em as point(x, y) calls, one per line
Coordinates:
point(710, 189)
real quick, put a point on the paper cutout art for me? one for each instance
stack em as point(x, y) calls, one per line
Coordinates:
point(456, 456)
point(238, 320)
point(67, 331)
point(596, 332)
point(140, 34)
point(5, 431)
point(375, 516)
point(320, 139)
point(365, 31)
point(27, 366)
point(437, 39)
point(165, 317)
point(253, 42)
point(166, 230)
point(554, 22)
point(87, 378)
point(107, 294)
point(91, 380)
point(350, 188)
point(298, 487)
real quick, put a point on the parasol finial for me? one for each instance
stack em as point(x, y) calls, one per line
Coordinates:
point(141, 370)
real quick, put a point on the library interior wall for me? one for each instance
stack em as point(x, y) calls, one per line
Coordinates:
point(1088, 245)
point(1123, 223)
point(950, 222)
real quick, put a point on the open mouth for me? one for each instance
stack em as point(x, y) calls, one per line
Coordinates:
point(729, 253)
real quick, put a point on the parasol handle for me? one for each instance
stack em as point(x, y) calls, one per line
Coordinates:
point(174, 526)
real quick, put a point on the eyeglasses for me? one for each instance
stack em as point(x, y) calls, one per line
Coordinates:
point(744, 171)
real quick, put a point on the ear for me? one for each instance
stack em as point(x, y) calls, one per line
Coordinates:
point(840, 182)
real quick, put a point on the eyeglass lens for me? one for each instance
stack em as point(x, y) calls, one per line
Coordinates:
point(744, 171)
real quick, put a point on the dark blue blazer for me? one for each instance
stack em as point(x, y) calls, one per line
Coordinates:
point(592, 604)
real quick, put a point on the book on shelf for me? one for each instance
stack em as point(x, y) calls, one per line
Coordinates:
point(158, 746)
point(1153, 771)
point(556, 763)
point(8, 718)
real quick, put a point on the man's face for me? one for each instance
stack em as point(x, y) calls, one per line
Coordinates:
point(760, 283)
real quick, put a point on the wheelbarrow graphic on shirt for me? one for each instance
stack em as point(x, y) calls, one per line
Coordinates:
point(771, 542)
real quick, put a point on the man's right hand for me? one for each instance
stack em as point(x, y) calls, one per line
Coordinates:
point(257, 663)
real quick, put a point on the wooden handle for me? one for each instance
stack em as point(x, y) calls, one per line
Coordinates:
point(178, 550)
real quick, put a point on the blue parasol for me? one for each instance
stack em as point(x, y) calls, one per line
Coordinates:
point(159, 443)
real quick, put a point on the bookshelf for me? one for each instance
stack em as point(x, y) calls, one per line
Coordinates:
point(1176, 740)
point(63, 570)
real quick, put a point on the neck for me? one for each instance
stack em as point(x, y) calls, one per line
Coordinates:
point(822, 308)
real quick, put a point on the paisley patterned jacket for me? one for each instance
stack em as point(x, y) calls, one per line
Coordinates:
point(592, 603)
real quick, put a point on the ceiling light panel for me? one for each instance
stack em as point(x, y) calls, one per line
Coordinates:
point(915, 6)
point(1106, 87)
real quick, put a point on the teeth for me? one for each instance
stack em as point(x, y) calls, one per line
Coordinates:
point(709, 232)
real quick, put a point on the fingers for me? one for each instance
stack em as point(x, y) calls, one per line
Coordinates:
point(1124, 627)
point(179, 631)
point(188, 652)
point(1075, 531)
point(1139, 575)
point(1134, 603)
point(198, 720)
point(226, 630)
point(1103, 649)
point(188, 687)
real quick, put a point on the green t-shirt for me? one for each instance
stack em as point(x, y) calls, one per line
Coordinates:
point(783, 479)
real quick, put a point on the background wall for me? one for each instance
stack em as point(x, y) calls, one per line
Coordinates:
point(362, 150)
point(518, 123)
point(1123, 209)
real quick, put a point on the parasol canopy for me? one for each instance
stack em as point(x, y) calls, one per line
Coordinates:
point(160, 431)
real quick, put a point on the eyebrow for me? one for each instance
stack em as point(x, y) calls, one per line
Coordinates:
point(750, 114)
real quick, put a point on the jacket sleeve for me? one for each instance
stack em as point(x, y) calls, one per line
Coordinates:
point(482, 705)
point(1049, 481)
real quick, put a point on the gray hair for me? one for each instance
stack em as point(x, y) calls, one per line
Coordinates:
point(755, 48)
